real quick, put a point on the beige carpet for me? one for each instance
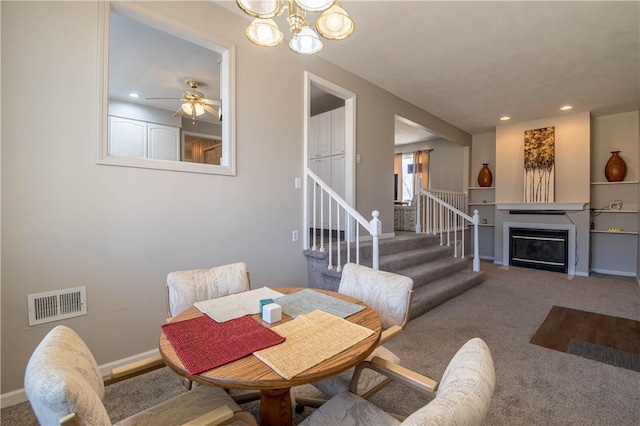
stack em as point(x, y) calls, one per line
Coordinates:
point(534, 385)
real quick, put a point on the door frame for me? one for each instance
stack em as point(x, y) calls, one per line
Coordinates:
point(349, 141)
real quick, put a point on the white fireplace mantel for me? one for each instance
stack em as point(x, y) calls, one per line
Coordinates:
point(542, 206)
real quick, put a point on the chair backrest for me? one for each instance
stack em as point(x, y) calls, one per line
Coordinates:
point(62, 377)
point(465, 391)
point(387, 293)
point(184, 288)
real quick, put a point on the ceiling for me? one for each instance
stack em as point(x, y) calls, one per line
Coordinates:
point(155, 63)
point(470, 63)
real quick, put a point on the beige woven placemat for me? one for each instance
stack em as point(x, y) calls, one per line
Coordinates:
point(310, 339)
point(236, 305)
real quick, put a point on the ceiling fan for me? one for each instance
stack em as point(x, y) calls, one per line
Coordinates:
point(194, 103)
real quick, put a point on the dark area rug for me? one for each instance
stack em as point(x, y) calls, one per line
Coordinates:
point(603, 338)
point(605, 354)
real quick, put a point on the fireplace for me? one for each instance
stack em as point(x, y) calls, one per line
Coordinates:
point(540, 245)
point(539, 248)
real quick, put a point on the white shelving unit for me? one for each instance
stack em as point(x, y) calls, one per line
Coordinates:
point(605, 242)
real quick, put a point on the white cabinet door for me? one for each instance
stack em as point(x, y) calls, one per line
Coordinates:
point(337, 131)
point(320, 135)
point(127, 138)
point(164, 142)
point(337, 184)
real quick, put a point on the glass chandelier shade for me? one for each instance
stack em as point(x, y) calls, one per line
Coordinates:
point(315, 5)
point(189, 107)
point(264, 9)
point(335, 24)
point(264, 32)
point(306, 42)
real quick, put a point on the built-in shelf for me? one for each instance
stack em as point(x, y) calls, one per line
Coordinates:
point(615, 211)
point(603, 231)
point(482, 204)
point(631, 182)
point(482, 187)
point(490, 225)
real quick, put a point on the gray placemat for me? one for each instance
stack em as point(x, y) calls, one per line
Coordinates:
point(306, 301)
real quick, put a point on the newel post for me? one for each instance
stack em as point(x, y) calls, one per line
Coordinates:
point(375, 226)
point(476, 244)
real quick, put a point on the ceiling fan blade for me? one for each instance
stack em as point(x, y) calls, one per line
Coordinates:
point(210, 102)
point(179, 113)
point(149, 99)
point(212, 111)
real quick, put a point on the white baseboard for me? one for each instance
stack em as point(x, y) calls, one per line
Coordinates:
point(19, 396)
point(610, 272)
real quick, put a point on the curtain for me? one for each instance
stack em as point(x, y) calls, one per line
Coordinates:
point(421, 169)
point(397, 171)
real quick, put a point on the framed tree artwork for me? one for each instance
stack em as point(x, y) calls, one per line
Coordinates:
point(539, 162)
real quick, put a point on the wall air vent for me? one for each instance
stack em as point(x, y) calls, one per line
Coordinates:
point(57, 305)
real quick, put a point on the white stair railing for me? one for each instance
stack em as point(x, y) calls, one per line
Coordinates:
point(329, 213)
point(436, 216)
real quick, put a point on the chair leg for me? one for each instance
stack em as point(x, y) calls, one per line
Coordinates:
point(249, 396)
point(188, 384)
point(308, 402)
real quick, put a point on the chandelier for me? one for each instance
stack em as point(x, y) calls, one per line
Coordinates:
point(333, 24)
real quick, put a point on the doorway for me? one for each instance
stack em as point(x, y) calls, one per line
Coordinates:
point(322, 96)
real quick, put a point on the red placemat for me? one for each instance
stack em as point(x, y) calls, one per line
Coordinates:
point(203, 344)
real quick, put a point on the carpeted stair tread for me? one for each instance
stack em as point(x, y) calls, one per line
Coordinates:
point(436, 274)
point(441, 290)
point(398, 261)
point(425, 273)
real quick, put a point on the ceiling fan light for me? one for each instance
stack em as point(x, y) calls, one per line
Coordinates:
point(189, 107)
point(264, 9)
point(264, 32)
point(335, 24)
point(306, 42)
point(315, 5)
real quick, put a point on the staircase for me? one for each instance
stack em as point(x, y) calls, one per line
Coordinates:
point(437, 275)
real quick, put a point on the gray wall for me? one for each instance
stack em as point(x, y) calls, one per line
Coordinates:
point(68, 222)
point(446, 163)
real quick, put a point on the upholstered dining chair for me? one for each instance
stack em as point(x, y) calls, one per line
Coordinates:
point(389, 294)
point(64, 386)
point(184, 288)
point(461, 398)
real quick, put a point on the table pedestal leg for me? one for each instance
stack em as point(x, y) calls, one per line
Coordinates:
point(275, 407)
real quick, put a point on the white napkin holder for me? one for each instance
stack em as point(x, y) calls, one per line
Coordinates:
point(272, 313)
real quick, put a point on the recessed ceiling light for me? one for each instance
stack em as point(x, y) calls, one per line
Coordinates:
point(505, 118)
point(566, 108)
point(134, 95)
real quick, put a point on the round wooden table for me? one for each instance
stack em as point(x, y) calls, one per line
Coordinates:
point(251, 373)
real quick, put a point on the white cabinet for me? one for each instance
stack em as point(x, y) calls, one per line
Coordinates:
point(164, 142)
point(326, 134)
point(320, 134)
point(337, 131)
point(327, 160)
point(134, 138)
point(127, 138)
